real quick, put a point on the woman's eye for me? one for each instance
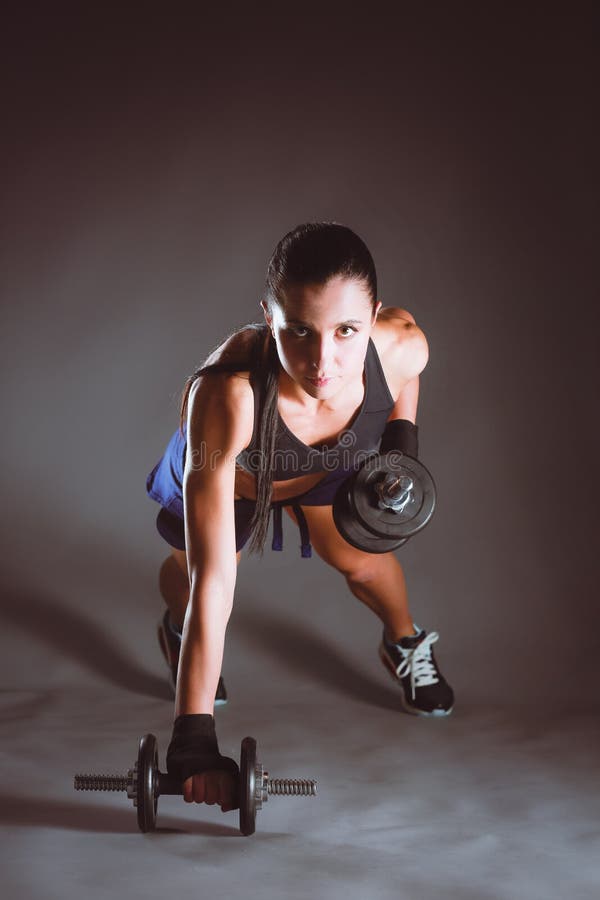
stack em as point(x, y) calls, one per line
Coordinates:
point(300, 331)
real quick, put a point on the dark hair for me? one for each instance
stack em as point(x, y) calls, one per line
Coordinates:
point(312, 253)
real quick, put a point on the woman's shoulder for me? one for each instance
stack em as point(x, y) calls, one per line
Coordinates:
point(401, 346)
point(239, 350)
point(391, 325)
point(221, 405)
point(229, 393)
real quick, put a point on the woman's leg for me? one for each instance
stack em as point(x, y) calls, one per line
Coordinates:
point(376, 579)
point(175, 587)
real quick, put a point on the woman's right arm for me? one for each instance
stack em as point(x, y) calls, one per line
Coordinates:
point(220, 421)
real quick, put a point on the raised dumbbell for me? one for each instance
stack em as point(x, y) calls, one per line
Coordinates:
point(144, 784)
point(389, 499)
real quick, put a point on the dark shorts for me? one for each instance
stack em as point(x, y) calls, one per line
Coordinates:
point(171, 527)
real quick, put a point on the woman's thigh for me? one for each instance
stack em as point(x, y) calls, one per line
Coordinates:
point(333, 549)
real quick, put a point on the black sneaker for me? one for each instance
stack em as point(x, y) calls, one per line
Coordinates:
point(425, 691)
point(169, 640)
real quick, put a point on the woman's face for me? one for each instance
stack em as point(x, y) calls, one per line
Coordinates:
point(322, 333)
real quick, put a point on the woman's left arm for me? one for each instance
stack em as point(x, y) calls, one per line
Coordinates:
point(405, 406)
point(409, 353)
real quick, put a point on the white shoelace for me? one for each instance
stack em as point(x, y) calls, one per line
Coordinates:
point(418, 663)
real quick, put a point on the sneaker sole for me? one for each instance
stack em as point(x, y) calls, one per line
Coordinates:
point(389, 667)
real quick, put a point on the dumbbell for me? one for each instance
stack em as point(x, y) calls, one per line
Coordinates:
point(144, 784)
point(388, 500)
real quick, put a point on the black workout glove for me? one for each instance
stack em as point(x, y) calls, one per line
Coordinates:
point(402, 435)
point(194, 748)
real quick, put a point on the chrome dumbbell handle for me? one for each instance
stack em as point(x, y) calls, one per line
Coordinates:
point(101, 783)
point(288, 787)
point(395, 492)
point(127, 783)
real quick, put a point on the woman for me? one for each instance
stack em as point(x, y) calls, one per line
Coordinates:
point(278, 418)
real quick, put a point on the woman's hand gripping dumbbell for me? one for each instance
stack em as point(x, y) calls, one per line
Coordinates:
point(211, 778)
point(390, 497)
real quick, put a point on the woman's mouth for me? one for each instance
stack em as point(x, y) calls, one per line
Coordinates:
point(319, 382)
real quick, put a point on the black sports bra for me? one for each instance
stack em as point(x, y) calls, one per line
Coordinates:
point(355, 443)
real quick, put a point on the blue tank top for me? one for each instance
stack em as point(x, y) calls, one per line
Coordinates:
point(292, 457)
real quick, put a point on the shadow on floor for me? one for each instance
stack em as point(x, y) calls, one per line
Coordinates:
point(306, 653)
point(24, 705)
point(44, 813)
point(74, 636)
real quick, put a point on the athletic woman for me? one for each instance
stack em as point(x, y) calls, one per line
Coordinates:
point(277, 418)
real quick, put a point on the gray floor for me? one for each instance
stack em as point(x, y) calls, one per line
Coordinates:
point(497, 801)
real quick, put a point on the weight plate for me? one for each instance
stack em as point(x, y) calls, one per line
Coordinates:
point(385, 523)
point(354, 533)
point(147, 784)
point(248, 786)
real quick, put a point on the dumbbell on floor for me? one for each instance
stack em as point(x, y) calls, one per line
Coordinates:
point(144, 784)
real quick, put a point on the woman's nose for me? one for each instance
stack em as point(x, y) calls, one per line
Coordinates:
point(322, 355)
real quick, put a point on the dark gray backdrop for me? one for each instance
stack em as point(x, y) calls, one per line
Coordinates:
point(149, 174)
point(152, 160)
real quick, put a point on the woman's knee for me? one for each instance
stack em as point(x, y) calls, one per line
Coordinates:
point(359, 567)
point(360, 571)
point(178, 559)
point(356, 566)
